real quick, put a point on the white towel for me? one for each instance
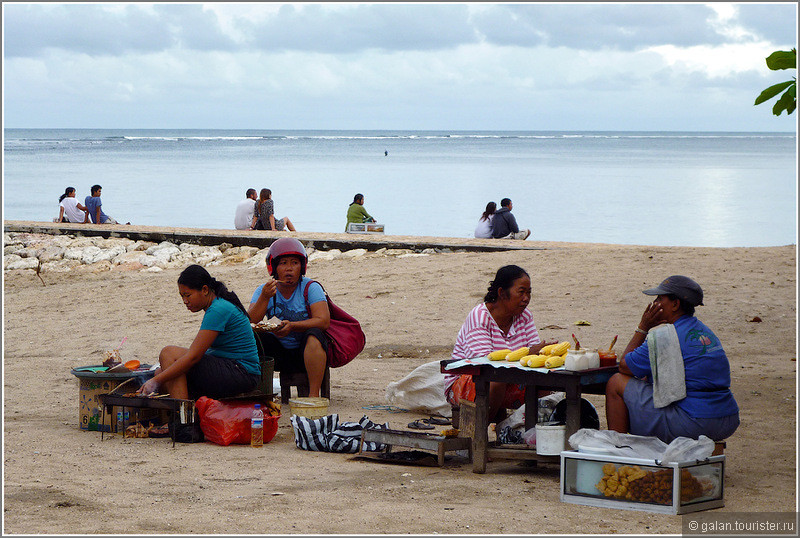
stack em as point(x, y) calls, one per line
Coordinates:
point(666, 365)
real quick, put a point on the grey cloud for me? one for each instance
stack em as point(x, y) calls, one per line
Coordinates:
point(774, 22)
point(29, 29)
point(625, 27)
point(89, 29)
point(350, 28)
point(387, 27)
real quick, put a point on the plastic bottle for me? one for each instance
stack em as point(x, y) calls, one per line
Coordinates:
point(257, 427)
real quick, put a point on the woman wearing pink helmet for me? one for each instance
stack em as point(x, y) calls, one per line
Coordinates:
point(299, 343)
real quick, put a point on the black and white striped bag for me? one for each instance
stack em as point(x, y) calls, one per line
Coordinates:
point(313, 434)
point(326, 434)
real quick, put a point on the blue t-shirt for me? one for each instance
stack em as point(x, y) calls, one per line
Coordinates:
point(235, 340)
point(292, 309)
point(708, 372)
point(92, 203)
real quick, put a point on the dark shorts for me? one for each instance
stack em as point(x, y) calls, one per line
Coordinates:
point(671, 421)
point(291, 360)
point(216, 377)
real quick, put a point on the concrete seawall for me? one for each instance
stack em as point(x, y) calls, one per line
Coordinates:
point(262, 239)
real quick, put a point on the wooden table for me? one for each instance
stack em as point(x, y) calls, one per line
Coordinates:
point(574, 384)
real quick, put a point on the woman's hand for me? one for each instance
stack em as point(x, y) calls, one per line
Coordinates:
point(268, 291)
point(283, 329)
point(536, 349)
point(652, 316)
point(150, 386)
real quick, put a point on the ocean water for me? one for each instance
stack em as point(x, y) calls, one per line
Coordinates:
point(650, 188)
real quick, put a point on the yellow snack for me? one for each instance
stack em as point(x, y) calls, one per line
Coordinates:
point(555, 361)
point(537, 361)
point(560, 349)
point(499, 355)
point(517, 354)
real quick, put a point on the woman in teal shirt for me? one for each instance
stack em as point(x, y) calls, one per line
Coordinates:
point(223, 358)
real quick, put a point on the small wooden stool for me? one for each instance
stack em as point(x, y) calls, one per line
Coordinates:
point(300, 380)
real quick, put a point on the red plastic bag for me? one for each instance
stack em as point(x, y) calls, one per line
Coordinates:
point(224, 423)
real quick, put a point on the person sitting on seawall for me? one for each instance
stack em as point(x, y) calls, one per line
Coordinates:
point(356, 212)
point(222, 360)
point(94, 207)
point(245, 211)
point(484, 228)
point(709, 407)
point(299, 344)
point(501, 321)
point(266, 215)
point(71, 210)
point(504, 225)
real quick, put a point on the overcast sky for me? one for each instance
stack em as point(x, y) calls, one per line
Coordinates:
point(471, 66)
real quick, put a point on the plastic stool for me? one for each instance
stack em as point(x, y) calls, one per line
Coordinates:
point(300, 380)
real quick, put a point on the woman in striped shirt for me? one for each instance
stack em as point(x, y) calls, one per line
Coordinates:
point(502, 321)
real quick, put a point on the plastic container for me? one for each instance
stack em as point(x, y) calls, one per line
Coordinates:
point(550, 438)
point(309, 407)
point(589, 473)
point(575, 360)
point(592, 360)
point(607, 358)
point(257, 427)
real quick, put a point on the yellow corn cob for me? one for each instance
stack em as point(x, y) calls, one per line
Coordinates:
point(556, 349)
point(546, 349)
point(517, 354)
point(554, 361)
point(499, 355)
point(537, 361)
point(524, 360)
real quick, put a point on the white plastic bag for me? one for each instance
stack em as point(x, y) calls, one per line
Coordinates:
point(686, 449)
point(681, 449)
point(530, 437)
point(515, 421)
point(421, 390)
point(547, 405)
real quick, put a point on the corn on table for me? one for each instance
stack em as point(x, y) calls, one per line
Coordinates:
point(574, 384)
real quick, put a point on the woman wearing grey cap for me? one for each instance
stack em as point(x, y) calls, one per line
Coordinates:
point(708, 407)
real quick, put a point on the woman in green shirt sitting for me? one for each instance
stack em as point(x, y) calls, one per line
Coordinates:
point(357, 213)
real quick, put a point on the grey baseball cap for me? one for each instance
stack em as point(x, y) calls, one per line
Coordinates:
point(683, 287)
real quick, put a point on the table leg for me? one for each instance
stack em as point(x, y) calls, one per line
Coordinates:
point(531, 406)
point(480, 440)
point(573, 397)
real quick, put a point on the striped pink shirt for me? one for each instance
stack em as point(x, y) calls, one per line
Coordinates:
point(480, 334)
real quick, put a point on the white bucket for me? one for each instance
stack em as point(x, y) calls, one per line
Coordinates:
point(550, 438)
point(589, 473)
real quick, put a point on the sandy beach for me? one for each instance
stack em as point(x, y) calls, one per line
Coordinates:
point(61, 480)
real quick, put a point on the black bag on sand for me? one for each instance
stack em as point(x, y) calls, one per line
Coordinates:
point(185, 433)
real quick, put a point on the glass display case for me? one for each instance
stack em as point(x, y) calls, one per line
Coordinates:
point(611, 481)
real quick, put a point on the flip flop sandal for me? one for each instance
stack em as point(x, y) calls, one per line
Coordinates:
point(419, 425)
point(439, 421)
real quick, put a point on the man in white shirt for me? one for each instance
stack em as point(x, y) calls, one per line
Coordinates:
point(245, 210)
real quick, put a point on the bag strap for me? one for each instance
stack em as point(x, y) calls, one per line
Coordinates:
point(305, 294)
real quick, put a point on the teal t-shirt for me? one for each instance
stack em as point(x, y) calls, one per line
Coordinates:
point(235, 340)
